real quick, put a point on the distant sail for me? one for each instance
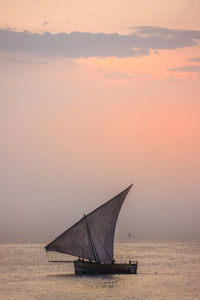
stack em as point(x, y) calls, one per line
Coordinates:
point(93, 236)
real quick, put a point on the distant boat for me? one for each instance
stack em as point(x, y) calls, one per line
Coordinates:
point(129, 234)
point(91, 239)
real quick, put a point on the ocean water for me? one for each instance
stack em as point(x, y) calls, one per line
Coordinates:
point(168, 269)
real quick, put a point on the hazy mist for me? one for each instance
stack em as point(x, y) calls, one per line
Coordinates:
point(62, 158)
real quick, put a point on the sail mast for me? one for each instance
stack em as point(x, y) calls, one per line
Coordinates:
point(94, 251)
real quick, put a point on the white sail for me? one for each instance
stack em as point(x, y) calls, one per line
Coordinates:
point(93, 236)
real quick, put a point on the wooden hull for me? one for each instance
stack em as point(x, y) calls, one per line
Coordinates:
point(87, 268)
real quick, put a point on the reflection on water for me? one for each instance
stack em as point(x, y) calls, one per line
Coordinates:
point(167, 269)
point(90, 281)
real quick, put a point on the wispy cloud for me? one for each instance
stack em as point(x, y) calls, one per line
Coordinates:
point(194, 59)
point(117, 75)
point(21, 60)
point(87, 44)
point(186, 69)
point(194, 2)
point(164, 38)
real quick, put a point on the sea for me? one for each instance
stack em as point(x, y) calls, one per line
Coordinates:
point(168, 268)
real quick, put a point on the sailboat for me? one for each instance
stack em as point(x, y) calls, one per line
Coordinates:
point(91, 239)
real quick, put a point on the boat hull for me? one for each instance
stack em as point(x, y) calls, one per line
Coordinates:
point(87, 268)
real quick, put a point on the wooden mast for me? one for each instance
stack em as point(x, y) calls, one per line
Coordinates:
point(94, 251)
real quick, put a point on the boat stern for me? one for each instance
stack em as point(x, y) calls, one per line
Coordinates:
point(133, 267)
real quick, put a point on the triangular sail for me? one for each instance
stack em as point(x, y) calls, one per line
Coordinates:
point(93, 236)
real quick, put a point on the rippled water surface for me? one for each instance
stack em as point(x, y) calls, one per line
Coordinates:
point(168, 269)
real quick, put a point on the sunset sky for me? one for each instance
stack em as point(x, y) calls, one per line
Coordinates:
point(96, 95)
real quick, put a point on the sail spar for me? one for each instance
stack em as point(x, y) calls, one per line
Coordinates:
point(93, 236)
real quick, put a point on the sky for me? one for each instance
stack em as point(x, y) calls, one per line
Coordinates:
point(94, 96)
